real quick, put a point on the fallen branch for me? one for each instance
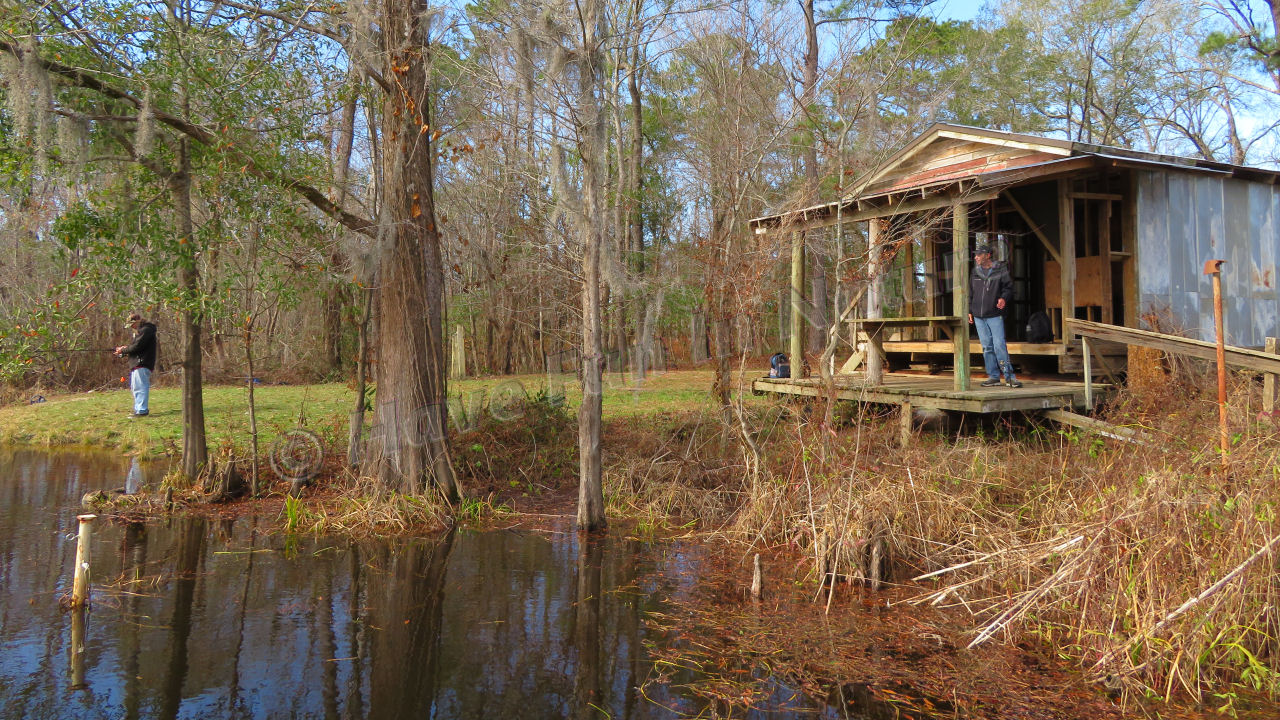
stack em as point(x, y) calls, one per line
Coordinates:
point(1190, 603)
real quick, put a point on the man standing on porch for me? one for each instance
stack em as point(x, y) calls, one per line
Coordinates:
point(990, 292)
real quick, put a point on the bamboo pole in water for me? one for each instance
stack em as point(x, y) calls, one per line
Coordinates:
point(80, 588)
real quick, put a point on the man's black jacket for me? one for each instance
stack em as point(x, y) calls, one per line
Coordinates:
point(984, 291)
point(142, 351)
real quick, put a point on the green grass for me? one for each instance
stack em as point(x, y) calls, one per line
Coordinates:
point(101, 419)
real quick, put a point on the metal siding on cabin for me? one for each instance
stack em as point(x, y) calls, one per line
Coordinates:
point(1153, 233)
point(1264, 231)
point(1236, 241)
point(1209, 231)
point(1234, 247)
point(1180, 239)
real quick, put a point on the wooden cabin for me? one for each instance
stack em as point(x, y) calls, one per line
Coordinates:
point(1089, 232)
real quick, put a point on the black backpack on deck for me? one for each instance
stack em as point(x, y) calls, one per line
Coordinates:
point(1039, 329)
point(779, 366)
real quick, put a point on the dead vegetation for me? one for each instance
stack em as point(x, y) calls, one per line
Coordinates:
point(1147, 566)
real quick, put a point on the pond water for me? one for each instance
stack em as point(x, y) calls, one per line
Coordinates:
point(194, 618)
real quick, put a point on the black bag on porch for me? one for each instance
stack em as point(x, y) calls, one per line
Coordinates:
point(779, 366)
point(1039, 329)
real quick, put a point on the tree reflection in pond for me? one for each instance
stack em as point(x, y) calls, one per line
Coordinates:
point(194, 619)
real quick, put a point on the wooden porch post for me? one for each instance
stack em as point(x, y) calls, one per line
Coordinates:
point(1067, 250)
point(1269, 382)
point(909, 280)
point(960, 291)
point(796, 355)
point(875, 361)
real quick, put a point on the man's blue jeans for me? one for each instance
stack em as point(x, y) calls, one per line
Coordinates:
point(994, 351)
point(140, 383)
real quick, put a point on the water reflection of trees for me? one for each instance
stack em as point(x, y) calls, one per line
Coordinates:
point(407, 611)
point(228, 619)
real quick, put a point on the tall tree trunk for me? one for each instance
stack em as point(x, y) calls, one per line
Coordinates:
point(635, 226)
point(818, 274)
point(335, 295)
point(195, 451)
point(592, 129)
point(408, 448)
point(355, 429)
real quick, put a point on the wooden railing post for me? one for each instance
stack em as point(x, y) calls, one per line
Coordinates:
point(960, 291)
point(798, 369)
point(1269, 382)
point(875, 357)
point(1067, 252)
point(1088, 372)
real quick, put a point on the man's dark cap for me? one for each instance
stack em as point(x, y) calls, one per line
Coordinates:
point(982, 249)
point(133, 318)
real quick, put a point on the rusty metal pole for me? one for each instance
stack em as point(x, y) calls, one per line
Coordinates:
point(1213, 268)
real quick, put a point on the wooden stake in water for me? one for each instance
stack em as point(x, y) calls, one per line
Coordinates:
point(77, 648)
point(757, 579)
point(80, 588)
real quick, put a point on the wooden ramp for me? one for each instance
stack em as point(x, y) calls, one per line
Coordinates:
point(936, 391)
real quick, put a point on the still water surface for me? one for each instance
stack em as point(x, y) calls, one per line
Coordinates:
point(196, 618)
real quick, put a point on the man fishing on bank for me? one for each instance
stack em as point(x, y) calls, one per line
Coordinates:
point(142, 354)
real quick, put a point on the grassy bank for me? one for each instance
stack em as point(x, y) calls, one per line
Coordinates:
point(101, 419)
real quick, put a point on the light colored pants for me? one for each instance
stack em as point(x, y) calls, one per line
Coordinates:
point(995, 354)
point(140, 383)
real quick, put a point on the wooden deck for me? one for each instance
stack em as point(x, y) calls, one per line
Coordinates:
point(936, 391)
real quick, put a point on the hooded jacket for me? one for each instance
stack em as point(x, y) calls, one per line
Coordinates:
point(142, 351)
point(985, 290)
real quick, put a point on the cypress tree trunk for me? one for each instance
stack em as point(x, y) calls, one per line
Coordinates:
point(194, 447)
point(590, 480)
point(408, 447)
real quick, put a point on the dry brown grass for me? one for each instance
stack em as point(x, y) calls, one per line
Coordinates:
point(1146, 565)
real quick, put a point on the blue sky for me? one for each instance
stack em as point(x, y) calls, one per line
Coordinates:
point(956, 9)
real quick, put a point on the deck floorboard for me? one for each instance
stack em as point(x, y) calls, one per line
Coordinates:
point(936, 391)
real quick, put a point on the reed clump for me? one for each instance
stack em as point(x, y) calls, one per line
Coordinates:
point(1149, 565)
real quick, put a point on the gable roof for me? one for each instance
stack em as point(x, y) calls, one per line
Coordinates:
point(947, 158)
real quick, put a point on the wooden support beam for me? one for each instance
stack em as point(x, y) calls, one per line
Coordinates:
point(1067, 250)
point(909, 279)
point(932, 278)
point(827, 215)
point(904, 423)
point(1269, 382)
point(1129, 245)
point(853, 363)
point(1112, 197)
point(797, 305)
point(1088, 373)
point(1256, 360)
point(1104, 250)
point(1129, 435)
point(960, 293)
point(875, 336)
point(1026, 217)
